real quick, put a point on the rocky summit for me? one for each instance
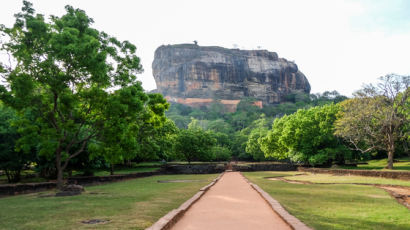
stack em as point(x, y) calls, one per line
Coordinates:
point(198, 75)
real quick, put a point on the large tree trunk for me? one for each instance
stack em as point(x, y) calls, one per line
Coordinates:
point(390, 155)
point(112, 169)
point(13, 176)
point(59, 170)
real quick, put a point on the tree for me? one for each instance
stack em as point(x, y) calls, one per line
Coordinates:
point(155, 131)
point(253, 146)
point(219, 125)
point(258, 129)
point(216, 110)
point(12, 160)
point(194, 144)
point(306, 137)
point(129, 118)
point(377, 117)
point(238, 146)
point(65, 73)
point(221, 153)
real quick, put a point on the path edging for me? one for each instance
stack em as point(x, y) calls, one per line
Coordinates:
point(167, 221)
point(292, 221)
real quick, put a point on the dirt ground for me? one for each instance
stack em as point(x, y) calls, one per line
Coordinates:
point(402, 195)
point(231, 204)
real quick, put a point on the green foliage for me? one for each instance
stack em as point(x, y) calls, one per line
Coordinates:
point(215, 111)
point(220, 126)
point(380, 164)
point(378, 117)
point(306, 137)
point(12, 161)
point(64, 75)
point(240, 124)
point(221, 153)
point(194, 144)
point(253, 147)
point(258, 129)
point(239, 145)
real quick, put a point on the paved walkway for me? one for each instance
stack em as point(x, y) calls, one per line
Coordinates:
point(230, 204)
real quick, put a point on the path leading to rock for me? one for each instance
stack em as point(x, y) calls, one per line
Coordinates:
point(231, 204)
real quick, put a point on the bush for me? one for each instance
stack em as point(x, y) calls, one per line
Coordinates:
point(221, 153)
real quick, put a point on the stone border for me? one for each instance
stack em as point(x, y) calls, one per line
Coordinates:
point(169, 220)
point(292, 221)
point(17, 189)
point(401, 175)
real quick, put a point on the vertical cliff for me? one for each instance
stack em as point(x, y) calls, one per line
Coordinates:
point(188, 71)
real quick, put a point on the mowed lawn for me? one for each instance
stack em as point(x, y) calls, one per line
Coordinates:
point(335, 206)
point(121, 171)
point(402, 164)
point(131, 204)
point(329, 178)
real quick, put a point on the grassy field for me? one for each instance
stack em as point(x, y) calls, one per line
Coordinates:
point(328, 178)
point(148, 167)
point(401, 164)
point(121, 171)
point(335, 206)
point(131, 204)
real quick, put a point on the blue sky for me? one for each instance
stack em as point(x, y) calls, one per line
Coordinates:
point(338, 45)
point(390, 16)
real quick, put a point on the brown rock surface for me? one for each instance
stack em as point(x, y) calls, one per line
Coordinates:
point(188, 71)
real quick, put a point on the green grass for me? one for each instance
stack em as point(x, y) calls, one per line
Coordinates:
point(120, 171)
point(131, 204)
point(336, 206)
point(402, 164)
point(329, 178)
point(148, 164)
point(144, 168)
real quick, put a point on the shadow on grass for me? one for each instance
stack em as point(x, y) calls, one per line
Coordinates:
point(353, 223)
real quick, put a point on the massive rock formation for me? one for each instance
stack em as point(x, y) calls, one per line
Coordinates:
point(193, 74)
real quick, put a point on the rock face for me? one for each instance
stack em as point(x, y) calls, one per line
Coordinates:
point(190, 74)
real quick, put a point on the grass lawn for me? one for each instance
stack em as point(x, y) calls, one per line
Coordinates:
point(120, 171)
point(335, 206)
point(3, 178)
point(402, 164)
point(131, 204)
point(329, 178)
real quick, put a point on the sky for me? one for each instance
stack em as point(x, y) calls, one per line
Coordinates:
point(339, 45)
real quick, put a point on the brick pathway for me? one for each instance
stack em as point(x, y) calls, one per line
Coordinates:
point(231, 204)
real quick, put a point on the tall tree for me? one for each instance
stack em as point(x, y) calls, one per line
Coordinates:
point(305, 136)
point(65, 71)
point(258, 129)
point(377, 117)
point(195, 144)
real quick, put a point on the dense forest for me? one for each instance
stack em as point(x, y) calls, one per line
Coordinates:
point(72, 102)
